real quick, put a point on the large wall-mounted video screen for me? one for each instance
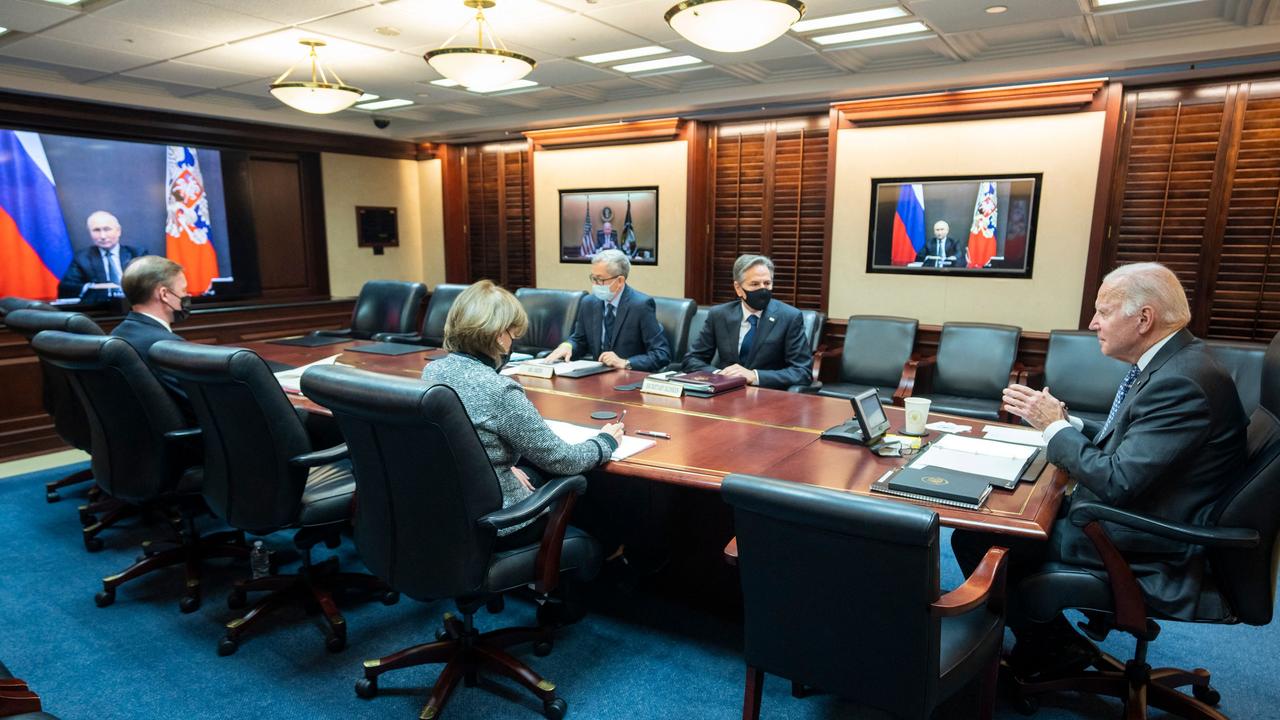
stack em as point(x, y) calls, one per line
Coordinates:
point(621, 218)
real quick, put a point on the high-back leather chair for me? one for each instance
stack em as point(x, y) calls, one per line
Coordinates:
point(10, 303)
point(1241, 541)
point(813, 322)
point(383, 306)
point(1243, 361)
point(876, 349)
point(674, 315)
point(971, 370)
point(551, 315)
point(432, 332)
point(1077, 373)
point(262, 475)
point(1269, 392)
point(59, 399)
point(862, 616)
point(142, 451)
point(427, 519)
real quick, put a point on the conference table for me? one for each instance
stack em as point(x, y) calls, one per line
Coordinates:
point(755, 431)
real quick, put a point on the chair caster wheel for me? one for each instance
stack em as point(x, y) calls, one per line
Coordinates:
point(93, 544)
point(52, 496)
point(391, 598)
point(333, 542)
point(555, 709)
point(189, 603)
point(366, 688)
point(542, 648)
point(236, 600)
point(227, 646)
point(105, 598)
point(1026, 705)
point(1206, 694)
point(441, 634)
point(335, 643)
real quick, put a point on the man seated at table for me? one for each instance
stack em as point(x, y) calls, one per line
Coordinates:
point(616, 324)
point(156, 288)
point(755, 336)
point(1173, 441)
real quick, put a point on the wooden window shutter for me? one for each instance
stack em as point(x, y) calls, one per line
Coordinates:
point(499, 213)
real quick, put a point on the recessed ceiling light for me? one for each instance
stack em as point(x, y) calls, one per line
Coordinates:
point(445, 82)
point(624, 54)
point(387, 30)
point(3, 30)
point(63, 2)
point(997, 9)
point(855, 18)
point(384, 104)
point(872, 33)
point(509, 86)
point(367, 97)
point(1104, 3)
point(658, 64)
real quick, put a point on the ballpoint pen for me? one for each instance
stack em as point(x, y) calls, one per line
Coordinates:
point(652, 433)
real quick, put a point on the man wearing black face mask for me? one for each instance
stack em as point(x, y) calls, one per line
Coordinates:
point(157, 289)
point(755, 336)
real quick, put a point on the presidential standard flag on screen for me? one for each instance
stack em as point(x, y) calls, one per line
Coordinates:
point(628, 233)
point(35, 250)
point(982, 234)
point(187, 239)
point(908, 224)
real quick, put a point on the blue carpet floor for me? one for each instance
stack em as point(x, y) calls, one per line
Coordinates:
point(636, 656)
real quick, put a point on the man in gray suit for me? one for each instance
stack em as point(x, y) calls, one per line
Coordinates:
point(1173, 441)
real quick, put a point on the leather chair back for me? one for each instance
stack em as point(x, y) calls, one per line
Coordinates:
point(1269, 392)
point(422, 480)
point(438, 311)
point(386, 306)
point(813, 322)
point(1243, 361)
point(551, 315)
point(250, 432)
point(698, 322)
point(58, 397)
point(675, 315)
point(11, 303)
point(974, 359)
point(129, 412)
point(859, 596)
point(1079, 374)
point(875, 349)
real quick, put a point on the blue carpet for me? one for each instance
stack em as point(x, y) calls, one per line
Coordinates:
point(640, 656)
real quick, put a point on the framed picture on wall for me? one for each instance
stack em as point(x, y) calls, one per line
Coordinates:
point(604, 218)
point(968, 226)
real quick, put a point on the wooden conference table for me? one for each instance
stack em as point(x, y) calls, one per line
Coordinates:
point(754, 431)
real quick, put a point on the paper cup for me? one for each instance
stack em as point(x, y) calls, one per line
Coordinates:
point(917, 415)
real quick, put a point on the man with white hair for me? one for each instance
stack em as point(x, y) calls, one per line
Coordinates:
point(942, 250)
point(1172, 442)
point(96, 270)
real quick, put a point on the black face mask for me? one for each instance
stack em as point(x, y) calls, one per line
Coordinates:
point(184, 309)
point(759, 299)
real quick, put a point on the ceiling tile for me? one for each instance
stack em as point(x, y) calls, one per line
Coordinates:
point(30, 16)
point(274, 53)
point(950, 16)
point(288, 12)
point(45, 71)
point(568, 72)
point(195, 75)
point(59, 52)
point(147, 87)
point(107, 34)
point(187, 18)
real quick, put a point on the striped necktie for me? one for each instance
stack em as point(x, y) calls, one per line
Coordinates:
point(748, 340)
point(1123, 390)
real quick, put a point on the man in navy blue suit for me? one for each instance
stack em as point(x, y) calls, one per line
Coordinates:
point(95, 272)
point(157, 290)
point(616, 324)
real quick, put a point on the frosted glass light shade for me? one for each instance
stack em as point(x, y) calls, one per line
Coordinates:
point(733, 25)
point(318, 98)
point(479, 68)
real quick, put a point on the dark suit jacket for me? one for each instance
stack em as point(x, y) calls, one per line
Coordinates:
point(602, 239)
point(949, 245)
point(142, 332)
point(87, 267)
point(637, 336)
point(1177, 442)
point(780, 352)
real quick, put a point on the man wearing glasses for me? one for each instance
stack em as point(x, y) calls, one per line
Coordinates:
point(616, 324)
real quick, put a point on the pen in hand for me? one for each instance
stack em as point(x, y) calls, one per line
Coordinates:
point(652, 433)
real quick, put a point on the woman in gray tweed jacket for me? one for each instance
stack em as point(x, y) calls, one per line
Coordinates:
point(481, 326)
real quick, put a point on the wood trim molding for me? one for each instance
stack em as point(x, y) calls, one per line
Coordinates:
point(640, 131)
point(1066, 96)
point(453, 181)
point(697, 234)
point(1109, 162)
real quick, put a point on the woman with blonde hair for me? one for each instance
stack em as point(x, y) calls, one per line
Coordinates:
point(478, 333)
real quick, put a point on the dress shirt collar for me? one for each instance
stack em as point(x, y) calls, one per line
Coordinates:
point(748, 311)
point(1145, 360)
point(156, 318)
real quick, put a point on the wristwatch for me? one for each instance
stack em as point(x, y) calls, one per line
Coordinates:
point(627, 366)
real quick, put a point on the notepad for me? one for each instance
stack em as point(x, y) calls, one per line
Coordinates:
point(1014, 435)
point(291, 380)
point(574, 434)
point(999, 460)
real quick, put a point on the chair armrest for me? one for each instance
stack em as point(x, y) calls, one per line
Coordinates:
point(18, 702)
point(184, 434)
point(731, 552)
point(533, 506)
point(561, 493)
point(917, 373)
point(818, 356)
point(1214, 537)
point(810, 389)
point(321, 457)
point(344, 332)
point(1032, 376)
point(985, 585)
point(12, 684)
point(401, 338)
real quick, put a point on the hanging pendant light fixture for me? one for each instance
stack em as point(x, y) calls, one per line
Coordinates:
point(480, 67)
point(733, 25)
point(317, 95)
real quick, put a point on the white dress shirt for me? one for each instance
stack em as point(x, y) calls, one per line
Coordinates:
point(746, 326)
point(158, 319)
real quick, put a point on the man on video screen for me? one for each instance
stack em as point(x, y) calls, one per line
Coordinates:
point(95, 272)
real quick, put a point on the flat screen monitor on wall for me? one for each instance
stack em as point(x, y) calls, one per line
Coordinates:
point(600, 219)
point(967, 226)
point(66, 199)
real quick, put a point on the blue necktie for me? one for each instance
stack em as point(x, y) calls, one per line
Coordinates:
point(1125, 384)
point(113, 275)
point(749, 339)
point(608, 327)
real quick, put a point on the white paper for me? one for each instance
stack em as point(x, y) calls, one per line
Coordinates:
point(573, 365)
point(291, 380)
point(978, 456)
point(1014, 435)
point(948, 427)
point(574, 434)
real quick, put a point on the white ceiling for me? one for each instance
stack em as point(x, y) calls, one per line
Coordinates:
point(216, 57)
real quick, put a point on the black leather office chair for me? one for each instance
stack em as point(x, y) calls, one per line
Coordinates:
point(551, 315)
point(875, 352)
point(432, 332)
point(1241, 539)
point(427, 520)
point(974, 364)
point(383, 306)
point(841, 593)
point(17, 701)
point(142, 452)
point(262, 475)
point(696, 323)
point(674, 315)
point(1243, 361)
point(11, 303)
point(1077, 373)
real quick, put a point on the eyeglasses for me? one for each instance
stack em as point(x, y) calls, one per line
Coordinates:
point(601, 281)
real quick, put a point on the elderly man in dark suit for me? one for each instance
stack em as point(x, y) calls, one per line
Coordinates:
point(616, 324)
point(157, 289)
point(755, 336)
point(95, 272)
point(1173, 441)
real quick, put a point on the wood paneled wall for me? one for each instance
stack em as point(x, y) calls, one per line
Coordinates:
point(499, 212)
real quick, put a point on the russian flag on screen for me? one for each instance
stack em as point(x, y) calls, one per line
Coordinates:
point(982, 234)
point(908, 224)
point(35, 250)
